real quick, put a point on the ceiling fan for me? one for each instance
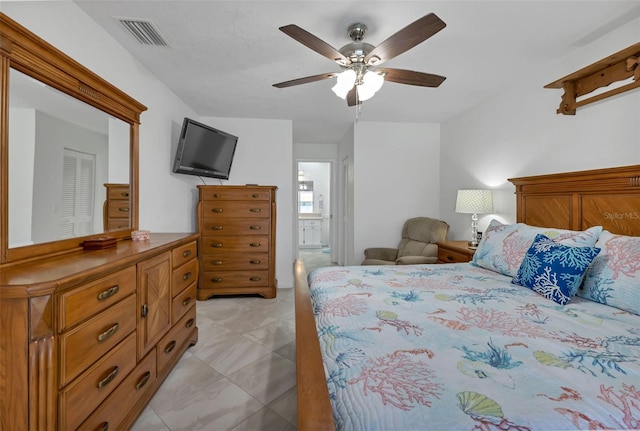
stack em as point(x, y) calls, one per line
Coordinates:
point(361, 76)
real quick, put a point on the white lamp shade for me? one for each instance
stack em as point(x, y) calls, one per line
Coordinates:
point(474, 202)
point(371, 83)
point(345, 83)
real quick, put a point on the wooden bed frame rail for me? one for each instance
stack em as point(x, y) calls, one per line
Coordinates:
point(314, 406)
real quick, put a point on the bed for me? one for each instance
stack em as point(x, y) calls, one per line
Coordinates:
point(460, 346)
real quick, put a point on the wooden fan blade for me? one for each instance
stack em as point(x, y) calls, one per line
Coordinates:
point(405, 39)
point(305, 80)
point(316, 44)
point(411, 77)
point(352, 97)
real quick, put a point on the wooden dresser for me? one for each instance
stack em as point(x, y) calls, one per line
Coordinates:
point(116, 211)
point(237, 248)
point(86, 338)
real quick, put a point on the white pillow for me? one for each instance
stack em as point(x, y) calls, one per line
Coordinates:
point(614, 276)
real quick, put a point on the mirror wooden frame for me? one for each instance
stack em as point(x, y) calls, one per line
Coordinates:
point(26, 52)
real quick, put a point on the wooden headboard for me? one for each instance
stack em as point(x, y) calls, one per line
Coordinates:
point(577, 200)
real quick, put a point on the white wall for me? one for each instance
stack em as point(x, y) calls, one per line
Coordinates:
point(345, 205)
point(396, 177)
point(519, 134)
point(22, 129)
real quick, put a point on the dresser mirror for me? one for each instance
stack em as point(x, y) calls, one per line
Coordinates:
point(66, 134)
point(61, 153)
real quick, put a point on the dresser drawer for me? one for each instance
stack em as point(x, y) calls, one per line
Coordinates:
point(184, 276)
point(229, 210)
point(181, 303)
point(111, 414)
point(84, 344)
point(247, 243)
point(223, 194)
point(78, 304)
point(225, 279)
point(451, 256)
point(223, 261)
point(172, 344)
point(117, 224)
point(118, 209)
point(92, 387)
point(239, 226)
point(181, 255)
point(119, 193)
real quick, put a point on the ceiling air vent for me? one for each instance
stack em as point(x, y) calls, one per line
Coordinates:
point(145, 31)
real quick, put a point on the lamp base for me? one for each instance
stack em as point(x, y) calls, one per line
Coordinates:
point(472, 246)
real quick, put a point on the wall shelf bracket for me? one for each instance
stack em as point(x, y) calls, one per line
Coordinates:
point(622, 65)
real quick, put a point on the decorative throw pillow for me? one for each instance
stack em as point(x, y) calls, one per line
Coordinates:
point(503, 247)
point(614, 276)
point(554, 270)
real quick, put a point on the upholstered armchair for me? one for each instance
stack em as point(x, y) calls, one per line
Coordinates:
point(418, 244)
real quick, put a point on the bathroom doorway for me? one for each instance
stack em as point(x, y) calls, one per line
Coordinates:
point(314, 210)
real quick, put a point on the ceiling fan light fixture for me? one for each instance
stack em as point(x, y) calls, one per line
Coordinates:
point(371, 83)
point(345, 83)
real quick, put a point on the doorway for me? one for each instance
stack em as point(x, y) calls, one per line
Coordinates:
point(314, 213)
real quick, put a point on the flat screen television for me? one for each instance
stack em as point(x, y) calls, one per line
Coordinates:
point(204, 151)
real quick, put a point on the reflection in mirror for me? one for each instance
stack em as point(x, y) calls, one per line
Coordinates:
point(62, 152)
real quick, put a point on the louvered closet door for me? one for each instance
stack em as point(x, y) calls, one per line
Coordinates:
point(78, 187)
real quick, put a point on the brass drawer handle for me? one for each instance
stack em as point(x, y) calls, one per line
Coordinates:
point(254, 278)
point(451, 257)
point(143, 381)
point(216, 195)
point(108, 293)
point(254, 262)
point(255, 195)
point(123, 209)
point(217, 227)
point(190, 323)
point(216, 262)
point(186, 253)
point(108, 333)
point(217, 210)
point(216, 245)
point(255, 244)
point(186, 276)
point(105, 426)
point(186, 302)
point(170, 347)
point(255, 210)
point(217, 280)
point(255, 227)
point(112, 375)
point(124, 194)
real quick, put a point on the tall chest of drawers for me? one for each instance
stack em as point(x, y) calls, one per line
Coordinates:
point(237, 244)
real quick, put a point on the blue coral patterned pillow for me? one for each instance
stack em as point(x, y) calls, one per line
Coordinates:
point(554, 270)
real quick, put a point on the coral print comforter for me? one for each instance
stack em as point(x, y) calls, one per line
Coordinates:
point(458, 347)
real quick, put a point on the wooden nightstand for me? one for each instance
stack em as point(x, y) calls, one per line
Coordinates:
point(454, 252)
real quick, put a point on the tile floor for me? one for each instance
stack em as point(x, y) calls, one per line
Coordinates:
point(241, 376)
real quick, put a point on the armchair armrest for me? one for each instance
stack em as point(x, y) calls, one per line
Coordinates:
point(381, 253)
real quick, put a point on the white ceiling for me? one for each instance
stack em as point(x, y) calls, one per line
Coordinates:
point(224, 56)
